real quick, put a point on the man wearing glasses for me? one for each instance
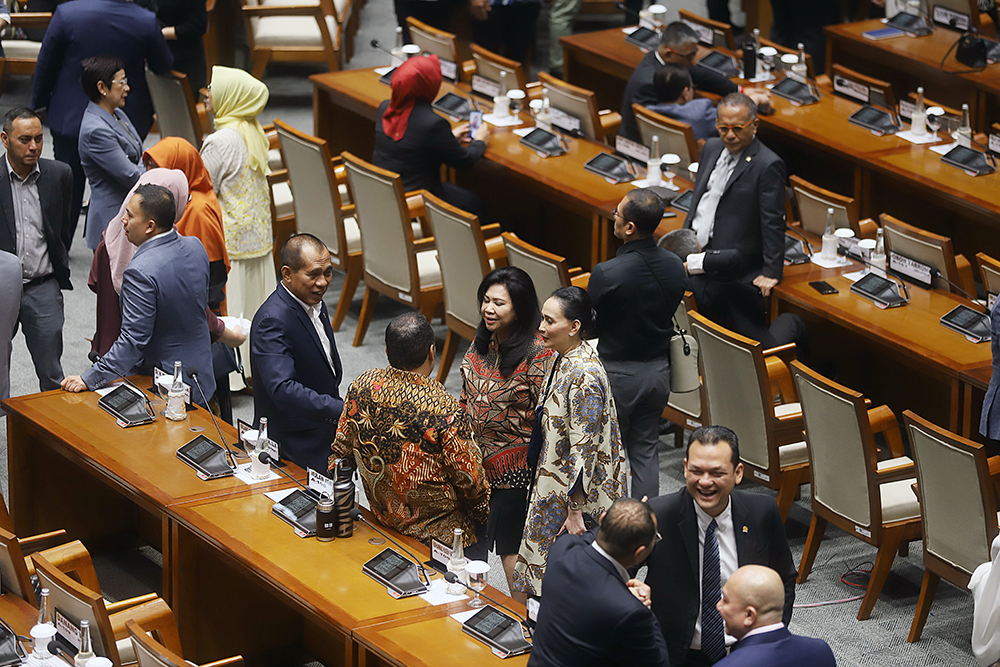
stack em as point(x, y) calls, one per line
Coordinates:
point(738, 204)
point(678, 45)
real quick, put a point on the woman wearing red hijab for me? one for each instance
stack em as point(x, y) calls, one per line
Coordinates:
point(412, 140)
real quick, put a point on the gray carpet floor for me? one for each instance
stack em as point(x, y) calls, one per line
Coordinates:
point(879, 641)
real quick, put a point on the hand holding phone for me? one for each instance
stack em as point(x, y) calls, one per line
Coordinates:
point(475, 121)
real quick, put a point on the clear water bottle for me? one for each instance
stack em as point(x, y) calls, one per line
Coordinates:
point(654, 173)
point(86, 651)
point(44, 615)
point(501, 103)
point(258, 469)
point(829, 251)
point(913, 7)
point(176, 410)
point(918, 123)
point(964, 134)
point(457, 564)
point(800, 70)
point(879, 260)
point(543, 120)
point(398, 57)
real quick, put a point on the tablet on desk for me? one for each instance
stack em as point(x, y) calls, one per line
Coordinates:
point(720, 63)
point(543, 141)
point(610, 167)
point(795, 91)
point(453, 105)
point(683, 201)
point(875, 120)
point(972, 324)
point(968, 160)
point(644, 38)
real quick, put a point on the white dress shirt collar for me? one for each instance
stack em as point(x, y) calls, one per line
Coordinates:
point(764, 628)
point(622, 572)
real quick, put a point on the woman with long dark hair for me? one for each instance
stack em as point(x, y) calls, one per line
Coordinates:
point(501, 382)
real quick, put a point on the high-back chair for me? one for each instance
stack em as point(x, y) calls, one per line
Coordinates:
point(931, 249)
point(957, 505)
point(151, 653)
point(396, 264)
point(442, 44)
point(989, 270)
point(581, 104)
point(107, 622)
point(317, 193)
point(465, 257)
point(489, 65)
point(684, 408)
point(813, 201)
point(548, 272)
point(674, 136)
point(20, 55)
point(722, 33)
point(741, 380)
point(303, 32)
point(175, 106)
point(869, 499)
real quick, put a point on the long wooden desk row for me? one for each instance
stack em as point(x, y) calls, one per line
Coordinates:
point(237, 577)
point(886, 174)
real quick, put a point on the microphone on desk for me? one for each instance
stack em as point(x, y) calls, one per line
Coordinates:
point(889, 272)
point(937, 274)
point(453, 578)
point(266, 458)
point(621, 6)
point(375, 44)
point(193, 374)
point(358, 516)
point(55, 649)
point(94, 358)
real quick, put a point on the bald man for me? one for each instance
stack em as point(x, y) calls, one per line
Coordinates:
point(751, 607)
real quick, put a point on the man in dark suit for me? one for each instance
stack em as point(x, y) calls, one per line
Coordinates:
point(751, 607)
point(34, 216)
point(709, 531)
point(739, 204)
point(591, 612)
point(294, 358)
point(164, 298)
point(989, 422)
point(79, 30)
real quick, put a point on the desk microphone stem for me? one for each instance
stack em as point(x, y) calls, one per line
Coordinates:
point(193, 374)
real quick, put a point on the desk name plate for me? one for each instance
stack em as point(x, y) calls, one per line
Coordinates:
point(994, 143)
point(851, 89)
point(449, 69)
point(949, 18)
point(705, 34)
point(911, 268)
point(632, 149)
point(484, 86)
point(563, 120)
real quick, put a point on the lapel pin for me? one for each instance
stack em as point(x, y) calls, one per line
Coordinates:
point(748, 158)
point(744, 527)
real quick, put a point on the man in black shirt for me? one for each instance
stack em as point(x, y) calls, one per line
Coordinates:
point(635, 295)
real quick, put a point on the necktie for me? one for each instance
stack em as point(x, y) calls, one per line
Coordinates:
point(713, 637)
point(710, 200)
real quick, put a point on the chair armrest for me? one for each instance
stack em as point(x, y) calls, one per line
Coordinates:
point(73, 558)
point(279, 176)
point(260, 11)
point(30, 19)
point(490, 230)
point(780, 378)
point(785, 352)
point(895, 473)
point(966, 279)
point(496, 250)
point(581, 280)
point(868, 228)
point(426, 243)
point(534, 90)
point(124, 605)
point(415, 205)
point(610, 121)
point(883, 421)
point(154, 616)
point(37, 542)
point(466, 69)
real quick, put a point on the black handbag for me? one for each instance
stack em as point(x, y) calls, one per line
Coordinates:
point(537, 437)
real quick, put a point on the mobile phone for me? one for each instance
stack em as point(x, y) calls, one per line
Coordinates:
point(824, 287)
point(475, 120)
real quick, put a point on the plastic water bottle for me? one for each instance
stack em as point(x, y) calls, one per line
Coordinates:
point(800, 70)
point(501, 103)
point(457, 564)
point(964, 134)
point(829, 251)
point(654, 174)
point(918, 123)
point(176, 410)
point(398, 57)
point(86, 651)
point(878, 259)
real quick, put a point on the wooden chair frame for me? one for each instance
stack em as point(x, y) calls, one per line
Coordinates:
point(352, 264)
point(162, 653)
point(676, 125)
point(957, 268)
point(887, 537)
point(410, 206)
point(567, 276)
point(773, 378)
point(191, 103)
point(22, 66)
point(479, 54)
point(865, 229)
point(333, 56)
point(989, 267)
point(604, 122)
point(719, 29)
point(424, 35)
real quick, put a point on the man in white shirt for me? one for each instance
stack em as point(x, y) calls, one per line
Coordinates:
point(294, 359)
point(709, 531)
point(751, 607)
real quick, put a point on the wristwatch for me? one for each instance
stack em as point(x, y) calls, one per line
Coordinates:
point(575, 506)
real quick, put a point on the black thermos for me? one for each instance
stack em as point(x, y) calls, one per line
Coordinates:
point(343, 497)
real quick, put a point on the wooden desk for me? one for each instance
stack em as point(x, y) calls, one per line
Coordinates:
point(346, 105)
point(601, 61)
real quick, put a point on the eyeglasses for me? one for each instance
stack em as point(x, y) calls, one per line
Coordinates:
point(123, 81)
point(726, 129)
point(686, 56)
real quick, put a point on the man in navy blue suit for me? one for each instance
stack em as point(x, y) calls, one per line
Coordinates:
point(294, 359)
point(591, 612)
point(751, 606)
point(79, 30)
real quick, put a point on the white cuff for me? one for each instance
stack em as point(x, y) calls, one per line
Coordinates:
point(695, 263)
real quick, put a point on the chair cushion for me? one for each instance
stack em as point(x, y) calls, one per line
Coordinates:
point(793, 454)
point(429, 269)
point(293, 31)
point(21, 49)
point(892, 463)
point(126, 651)
point(345, 195)
point(274, 160)
point(283, 204)
point(787, 409)
point(353, 233)
point(898, 501)
point(339, 5)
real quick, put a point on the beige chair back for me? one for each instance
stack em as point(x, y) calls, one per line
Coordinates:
point(989, 269)
point(579, 103)
point(548, 272)
point(462, 256)
point(732, 368)
point(836, 422)
point(174, 103)
point(957, 505)
point(922, 246)
point(13, 572)
point(489, 65)
point(386, 234)
point(442, 44)
point(77, 603)
point(675, 136)
point(721, 33)
point(813, 203)
point(314, 186)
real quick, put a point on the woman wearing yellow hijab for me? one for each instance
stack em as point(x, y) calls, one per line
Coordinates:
point(236, 158)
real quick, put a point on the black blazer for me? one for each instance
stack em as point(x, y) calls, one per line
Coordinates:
point(751, 213)
point(55, 186)
point(296, 389)
point(426, 145)
point(673, 565)
point(588, 617)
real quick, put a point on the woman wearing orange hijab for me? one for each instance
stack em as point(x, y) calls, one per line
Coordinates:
point(412, 140)
point(203, 216)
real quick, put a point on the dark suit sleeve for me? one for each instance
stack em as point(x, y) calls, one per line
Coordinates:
point(195, 23)
point(50, 58)
point(771, 187)
point(158, 55)
point(597, 288)
point(273, 355)
point(709, 81)
point(723, 264)
point(640, 641)
point(448, 148)
point(63, 227)
point(780, 559)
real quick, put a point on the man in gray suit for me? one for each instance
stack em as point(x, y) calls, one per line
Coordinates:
point(164, 298)
point(34, 215)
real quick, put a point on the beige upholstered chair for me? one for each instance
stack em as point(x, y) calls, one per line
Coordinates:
point(741, 380)
point(442, 44)
point(318, 195)
point(151, 653)
point(931, 249)
point(296, 31)
point(869, 499)
point(396, 264)
point(107, 622)
point(489, 65)
point(20, 55)
point(675, 136)
point(466, 252)
point(581, 104)
point(175, 106)
point(548, 272)
point(722, 33)
point(813, 202)
point(957, 505)
point(989, 270)
point(16, 570)
point(684, 408)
